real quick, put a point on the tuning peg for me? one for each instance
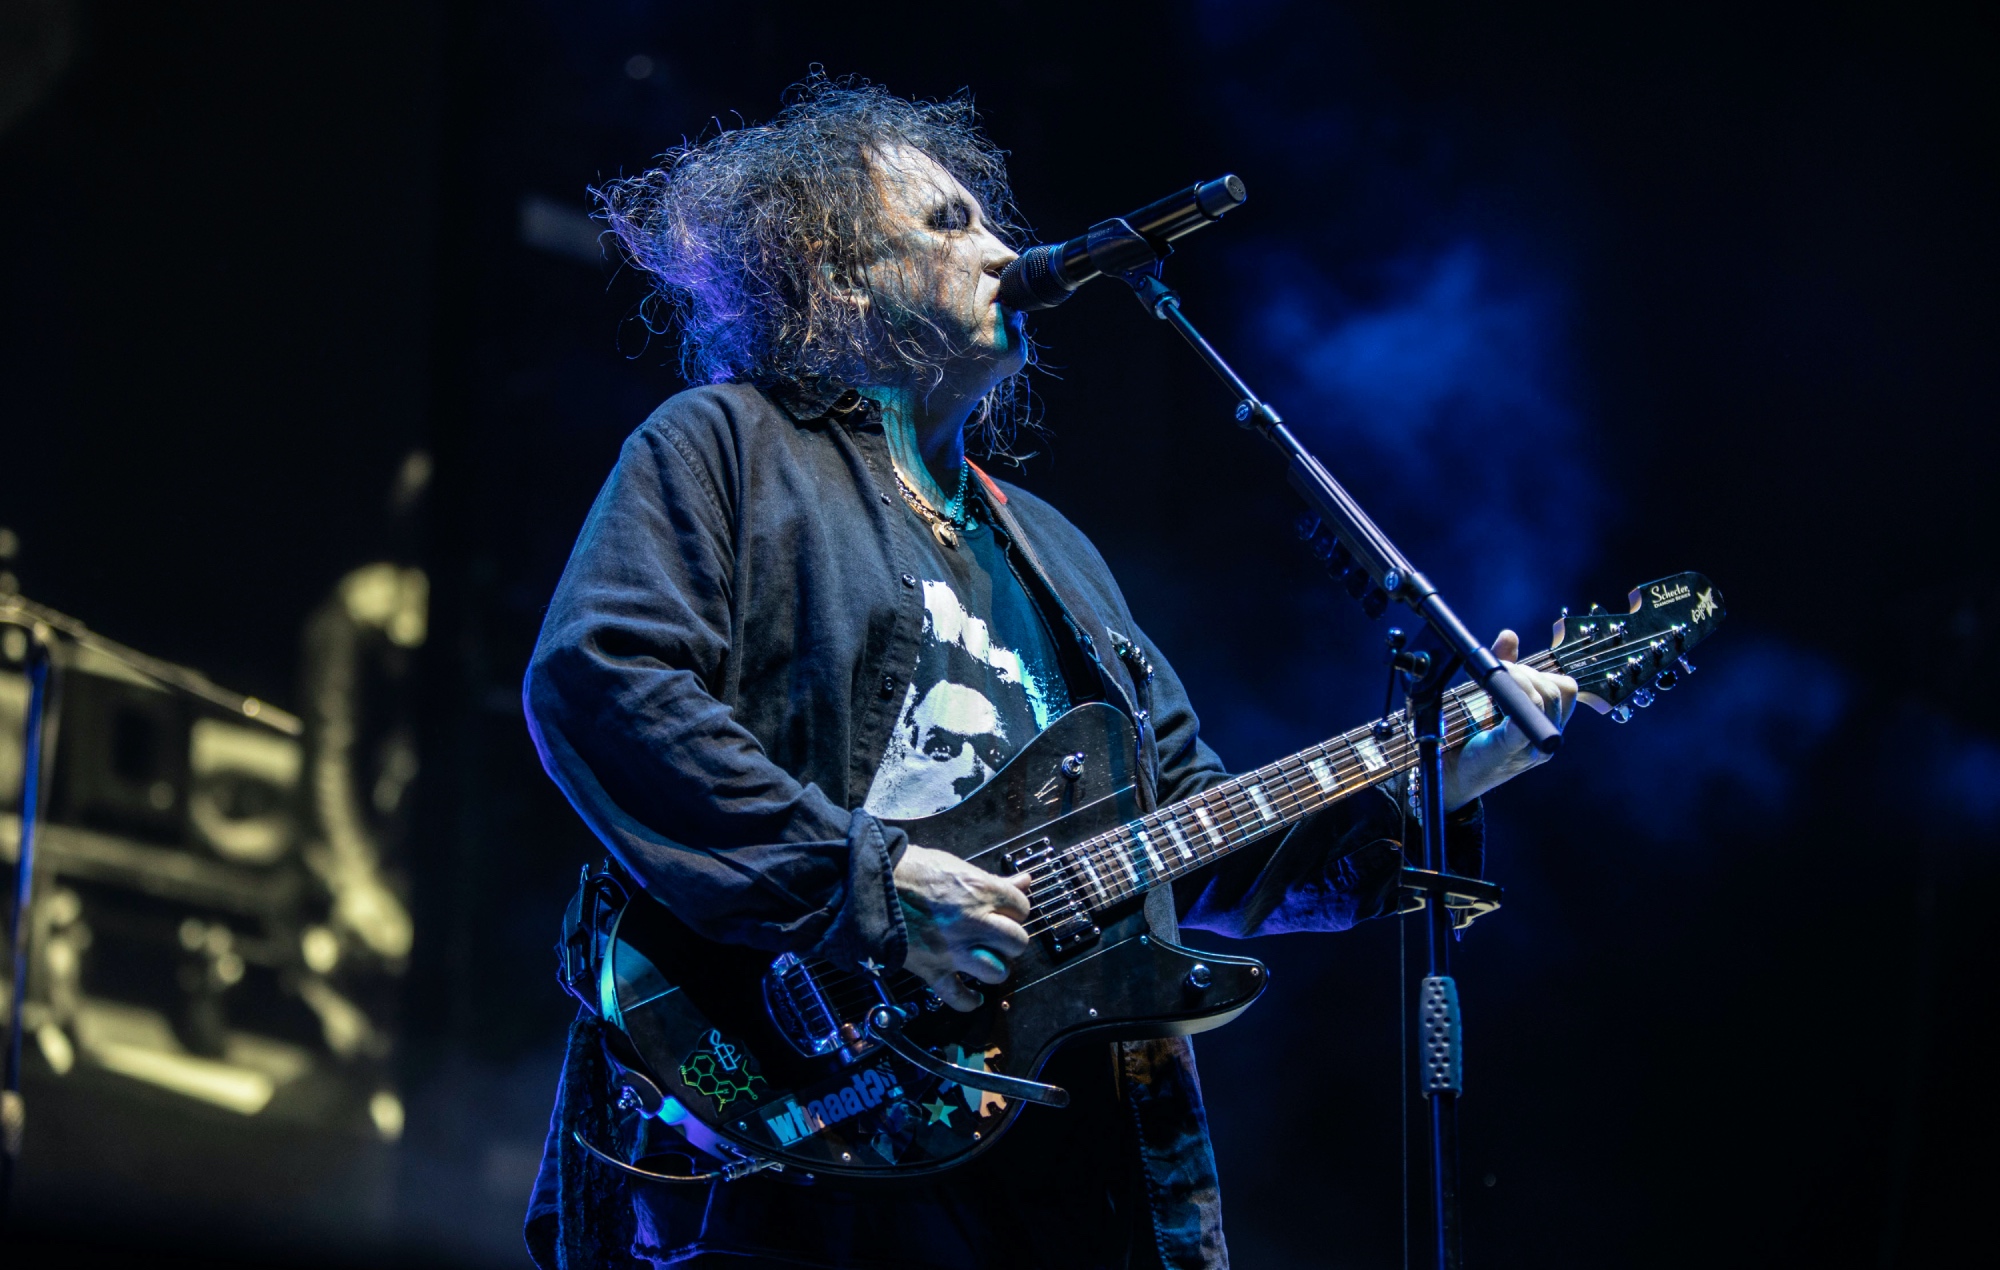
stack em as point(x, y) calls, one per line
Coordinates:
point(1621, 714)
point(1642, 698)
point(1687, 667)
point(1307, 526)
point(1666, 681)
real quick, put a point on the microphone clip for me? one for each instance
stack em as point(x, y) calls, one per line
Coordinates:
point(1119, 251)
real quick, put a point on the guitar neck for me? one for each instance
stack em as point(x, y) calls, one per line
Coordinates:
point(1184, 836)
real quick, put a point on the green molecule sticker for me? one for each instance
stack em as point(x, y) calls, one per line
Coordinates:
point(721, 1070)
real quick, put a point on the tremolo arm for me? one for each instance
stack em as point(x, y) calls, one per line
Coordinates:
point(885, 1026)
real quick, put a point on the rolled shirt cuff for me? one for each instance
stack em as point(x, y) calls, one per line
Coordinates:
point(867, 931)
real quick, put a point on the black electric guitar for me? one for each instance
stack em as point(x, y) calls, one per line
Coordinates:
point(797, 1063)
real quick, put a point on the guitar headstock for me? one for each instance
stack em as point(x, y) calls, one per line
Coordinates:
point(1619, 660)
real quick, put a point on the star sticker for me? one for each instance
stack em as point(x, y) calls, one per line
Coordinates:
point(940, 1112)
point(872, 966)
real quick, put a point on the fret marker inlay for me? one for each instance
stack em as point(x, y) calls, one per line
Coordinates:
point(1370, 755)
point(1323, 774)
point(1123, 855)
point(1174, 832)
point(1263, 803)
point(1152, 857)
point(1096, 883)
point(1208, 825)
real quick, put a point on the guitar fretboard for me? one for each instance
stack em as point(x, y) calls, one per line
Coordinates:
point(1176, 840)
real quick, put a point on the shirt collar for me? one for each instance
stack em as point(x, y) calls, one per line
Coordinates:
point(808, 401)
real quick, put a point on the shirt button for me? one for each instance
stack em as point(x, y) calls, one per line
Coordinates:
point(888, 686)
point(884, 496)
point(909, 579)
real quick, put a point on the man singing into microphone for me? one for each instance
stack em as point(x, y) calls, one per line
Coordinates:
point(798, 611)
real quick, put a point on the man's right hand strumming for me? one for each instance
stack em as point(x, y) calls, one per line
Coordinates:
point(961, 920)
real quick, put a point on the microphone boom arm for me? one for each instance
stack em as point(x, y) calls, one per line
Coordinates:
point(1336, 508)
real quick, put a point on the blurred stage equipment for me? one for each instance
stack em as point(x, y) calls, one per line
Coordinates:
point(38, 42)
point(203, 906)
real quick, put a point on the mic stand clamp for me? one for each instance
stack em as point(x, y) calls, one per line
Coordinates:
point(1375, 571)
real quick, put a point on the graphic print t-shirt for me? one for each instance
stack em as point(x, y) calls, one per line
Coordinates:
point(986, 680)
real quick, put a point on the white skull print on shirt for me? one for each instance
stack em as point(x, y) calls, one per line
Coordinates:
point(984, 685)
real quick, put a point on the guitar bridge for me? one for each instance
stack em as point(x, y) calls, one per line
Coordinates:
point(799, 1007)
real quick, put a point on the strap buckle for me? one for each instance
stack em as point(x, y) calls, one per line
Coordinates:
point(602, 892)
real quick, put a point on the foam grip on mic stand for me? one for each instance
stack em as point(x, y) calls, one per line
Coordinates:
point(1542, 733)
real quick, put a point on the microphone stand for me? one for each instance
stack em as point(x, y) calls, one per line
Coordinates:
point(1376, 572)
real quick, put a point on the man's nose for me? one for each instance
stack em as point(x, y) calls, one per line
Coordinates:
point(998, 256)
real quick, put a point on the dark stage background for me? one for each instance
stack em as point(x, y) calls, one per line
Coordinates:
point(1571, 296)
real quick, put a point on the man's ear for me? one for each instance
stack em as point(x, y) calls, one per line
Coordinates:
point(844, 288)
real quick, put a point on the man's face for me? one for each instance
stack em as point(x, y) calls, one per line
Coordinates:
point(946, 263)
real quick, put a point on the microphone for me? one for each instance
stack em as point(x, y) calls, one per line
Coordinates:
point(1044, 276)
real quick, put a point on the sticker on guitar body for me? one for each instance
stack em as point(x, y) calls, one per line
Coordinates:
point(721, 1070)
point(983, 1101)
point(864, 1091)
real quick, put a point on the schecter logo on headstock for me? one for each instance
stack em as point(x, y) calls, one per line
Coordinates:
point(1664, 595)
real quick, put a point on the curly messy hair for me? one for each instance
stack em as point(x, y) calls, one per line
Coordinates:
point(752, 235)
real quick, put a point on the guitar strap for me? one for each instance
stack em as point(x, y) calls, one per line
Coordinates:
point(1045, 594)
point(1160, 913)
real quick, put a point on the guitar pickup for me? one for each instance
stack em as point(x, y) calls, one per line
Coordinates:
point(1021, 859)
point(1073, 932)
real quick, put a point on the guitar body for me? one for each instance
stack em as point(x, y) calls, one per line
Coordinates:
point(704, 1027)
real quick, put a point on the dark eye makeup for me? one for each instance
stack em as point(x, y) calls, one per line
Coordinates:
point(952, 217)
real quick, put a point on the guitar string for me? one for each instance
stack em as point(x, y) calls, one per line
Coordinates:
point(1281, 781)
point(1232, 801)
point(1231, 798)
point(1286, 777)
point(1236, 822)
point(1401, 756)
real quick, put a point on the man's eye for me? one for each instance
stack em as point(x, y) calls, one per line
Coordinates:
point(952, 218)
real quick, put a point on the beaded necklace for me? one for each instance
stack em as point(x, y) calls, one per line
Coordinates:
point(949, 523)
